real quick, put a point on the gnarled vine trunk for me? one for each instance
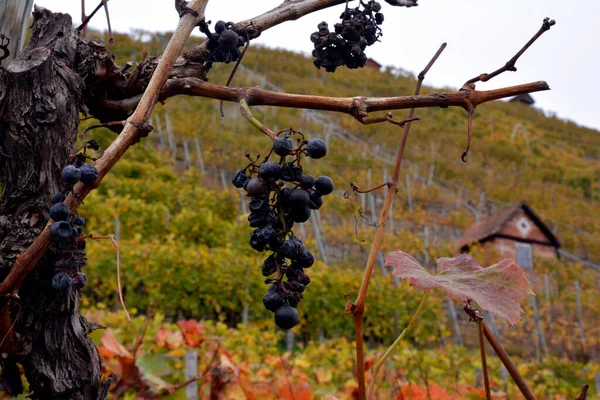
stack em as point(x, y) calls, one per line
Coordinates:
point(41, 96)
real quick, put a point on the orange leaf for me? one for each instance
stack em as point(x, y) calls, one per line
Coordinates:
point(110, 343)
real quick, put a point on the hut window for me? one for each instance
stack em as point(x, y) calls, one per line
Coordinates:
point(524, 258)
point(523, 225)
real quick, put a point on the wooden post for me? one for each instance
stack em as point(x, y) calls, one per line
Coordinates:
point(159, 128)
point(548, 301)
point(538, 324)
point(391, 212)
point(408, 194)
point(167, 218)
point(223, 179)
point(171, 137)
point(426, 245)
point(243, 205)
point(191, 371)
point(455, 321)
point(459, 199)
point(381, 262)
point(320, 246)
point(321, 231)
point(117, 228)
point(245, 310)
point(302, 232)
point(199, 154)
point(431, 172)
point(186, 154)
point(14, 20)
point(580, 314)
point(290, 340)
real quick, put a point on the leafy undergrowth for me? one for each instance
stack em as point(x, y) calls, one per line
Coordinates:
point(250, 362)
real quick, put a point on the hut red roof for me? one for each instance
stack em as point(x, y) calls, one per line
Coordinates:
point(492, 225)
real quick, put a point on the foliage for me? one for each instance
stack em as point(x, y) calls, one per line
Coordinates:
point(319, 369)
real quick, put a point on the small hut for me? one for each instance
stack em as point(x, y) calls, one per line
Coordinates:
point(516, 232)
point(373, 64)
point(524, 98)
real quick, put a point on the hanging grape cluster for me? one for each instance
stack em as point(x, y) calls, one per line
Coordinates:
point(347, 44)
point(281, 195)
point(224, 44)
point(67, 228)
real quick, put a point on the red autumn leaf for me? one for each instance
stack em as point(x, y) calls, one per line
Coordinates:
point(192, 331)
point(497, 288)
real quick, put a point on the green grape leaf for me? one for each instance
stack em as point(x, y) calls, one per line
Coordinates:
point(497, 288)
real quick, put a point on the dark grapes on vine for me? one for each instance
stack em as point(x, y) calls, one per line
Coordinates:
point(282, 195)
point(346, 45)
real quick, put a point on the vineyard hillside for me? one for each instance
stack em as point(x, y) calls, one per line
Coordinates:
point(183, 231)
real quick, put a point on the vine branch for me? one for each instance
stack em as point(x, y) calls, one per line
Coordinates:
point(510, 64)
point(358, 307)
point(510, 366)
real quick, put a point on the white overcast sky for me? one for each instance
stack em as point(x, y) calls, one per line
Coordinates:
point(481, 34)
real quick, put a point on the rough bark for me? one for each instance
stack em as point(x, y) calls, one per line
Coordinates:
point(41, 95)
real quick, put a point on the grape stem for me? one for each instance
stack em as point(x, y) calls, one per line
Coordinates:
point(358, 307)
point(387, 353)
point(245, 110)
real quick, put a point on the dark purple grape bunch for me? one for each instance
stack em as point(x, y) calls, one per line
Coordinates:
point(358, 29)
point(224, 44)
point(282, 195)
point(67, 226)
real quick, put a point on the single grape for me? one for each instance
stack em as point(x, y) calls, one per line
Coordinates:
point(291, 248)
point(228, 40)
point(79, 221)
point(315, 200)
point(295, 273)
point(272, 301)
point(305, 259)
point(61, 230)
point(257, 241)
point(60, 212)
point(291, 172)
point(256, 187)
point(299, 198)
point(269, 266)
point(324, 185)
point(307, 181)
point(70, 175)
point(259, 204)
point(240, 179)
point(295, 287)
point(316, 148)
point(89, 173)
point(270, 170)
point(284, 196)
point(80, 280)
point(57, 197)
point(220, 26)
point(293, 299)
point(61, 282)
point(283, 146)
point(301, 214)
point(286, 317)
point(258, 220)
